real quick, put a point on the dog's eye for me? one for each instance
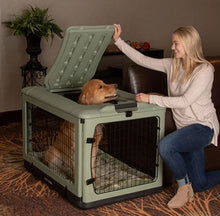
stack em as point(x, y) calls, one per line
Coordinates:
point(100, 86)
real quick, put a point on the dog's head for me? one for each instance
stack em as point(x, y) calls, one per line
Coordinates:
point(97, 92)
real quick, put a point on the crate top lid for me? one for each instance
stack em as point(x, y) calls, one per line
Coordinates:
point(79, 56)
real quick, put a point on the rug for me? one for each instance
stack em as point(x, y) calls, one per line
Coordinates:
point(21, 194)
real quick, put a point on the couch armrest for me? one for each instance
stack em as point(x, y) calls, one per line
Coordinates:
point(139, 79)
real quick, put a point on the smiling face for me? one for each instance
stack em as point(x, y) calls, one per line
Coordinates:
point(177, 47)
point(97, 92)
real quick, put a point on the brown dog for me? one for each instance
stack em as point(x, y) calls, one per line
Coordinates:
point(59, 156)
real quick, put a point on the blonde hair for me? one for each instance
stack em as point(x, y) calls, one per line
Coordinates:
point(192, 45)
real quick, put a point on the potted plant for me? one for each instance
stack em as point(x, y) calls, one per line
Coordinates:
point(34, 23)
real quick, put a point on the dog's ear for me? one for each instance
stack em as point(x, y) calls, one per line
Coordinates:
point(83, 99)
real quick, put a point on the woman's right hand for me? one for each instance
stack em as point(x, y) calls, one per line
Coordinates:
point(117, 32)
point(141, 97)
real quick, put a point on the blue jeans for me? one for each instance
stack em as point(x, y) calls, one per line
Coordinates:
point(183, 152)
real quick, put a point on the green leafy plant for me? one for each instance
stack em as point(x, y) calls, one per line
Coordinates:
point(34, 20)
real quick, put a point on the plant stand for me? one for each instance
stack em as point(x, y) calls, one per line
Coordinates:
point(33, 75)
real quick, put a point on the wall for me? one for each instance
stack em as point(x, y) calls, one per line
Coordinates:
point(142, 20)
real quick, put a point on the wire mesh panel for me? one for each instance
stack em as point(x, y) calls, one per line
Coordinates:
point(127, 155)
point(52, 141)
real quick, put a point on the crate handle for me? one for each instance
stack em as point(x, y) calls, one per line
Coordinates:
point(126, 107)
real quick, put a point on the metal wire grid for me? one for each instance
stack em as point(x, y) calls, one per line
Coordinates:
point(53, 142)
point(127, 155)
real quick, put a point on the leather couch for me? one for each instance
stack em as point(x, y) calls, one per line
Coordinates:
point(139, 79)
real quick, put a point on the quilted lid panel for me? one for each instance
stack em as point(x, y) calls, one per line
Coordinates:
point(79, 56)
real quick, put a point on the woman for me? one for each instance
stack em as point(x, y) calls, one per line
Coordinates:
point(189, 78)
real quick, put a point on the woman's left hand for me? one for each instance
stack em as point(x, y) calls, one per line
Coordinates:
point(117, 32)
point(141, 97)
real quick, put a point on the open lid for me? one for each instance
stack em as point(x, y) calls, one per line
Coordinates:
point(79, 56)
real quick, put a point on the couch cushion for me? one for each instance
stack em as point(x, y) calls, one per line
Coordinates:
point(212, 161)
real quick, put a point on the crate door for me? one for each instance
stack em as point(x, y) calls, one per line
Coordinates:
point(127, 155)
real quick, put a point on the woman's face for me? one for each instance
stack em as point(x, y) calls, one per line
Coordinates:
point(177, 47)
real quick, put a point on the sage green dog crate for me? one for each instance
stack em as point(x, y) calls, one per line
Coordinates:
point(127, 163)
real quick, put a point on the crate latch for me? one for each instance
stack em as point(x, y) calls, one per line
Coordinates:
point(128, 113)
point(90, 140)
point(90, 181)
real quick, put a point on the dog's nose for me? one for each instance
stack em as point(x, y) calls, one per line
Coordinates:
point(116, 86)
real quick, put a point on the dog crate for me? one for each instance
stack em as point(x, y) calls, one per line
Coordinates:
point(124, 165)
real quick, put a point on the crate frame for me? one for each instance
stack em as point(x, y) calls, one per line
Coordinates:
point(80, 192)
point(76, 64)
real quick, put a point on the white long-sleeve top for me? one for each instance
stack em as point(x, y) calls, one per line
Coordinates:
point(191, 101)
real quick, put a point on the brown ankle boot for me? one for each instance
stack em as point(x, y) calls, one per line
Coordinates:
point(184, 194)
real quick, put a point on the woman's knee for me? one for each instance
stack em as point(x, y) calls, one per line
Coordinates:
point(163, 147)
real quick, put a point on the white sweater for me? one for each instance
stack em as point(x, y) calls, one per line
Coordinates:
point(190, 102)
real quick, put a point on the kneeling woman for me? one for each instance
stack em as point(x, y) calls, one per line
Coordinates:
point(189, 78)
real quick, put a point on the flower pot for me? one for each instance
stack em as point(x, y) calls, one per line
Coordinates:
point(33, 49)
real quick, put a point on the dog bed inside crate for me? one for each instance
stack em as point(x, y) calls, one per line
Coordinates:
point(112, 173)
